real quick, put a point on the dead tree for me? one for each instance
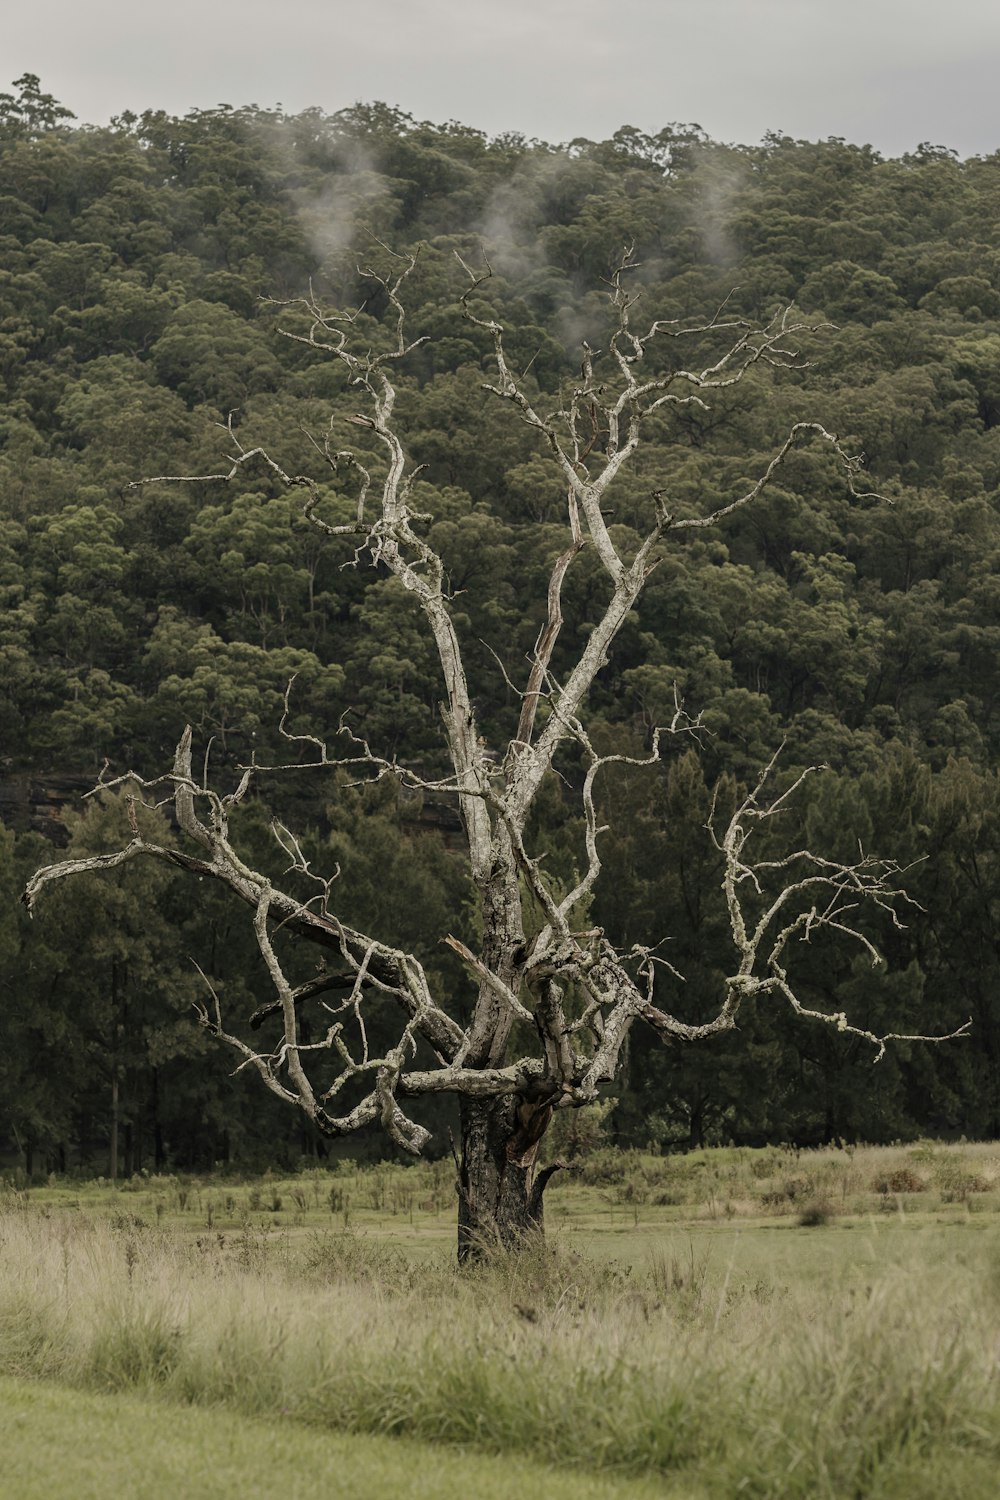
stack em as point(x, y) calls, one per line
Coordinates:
point(555, 1001)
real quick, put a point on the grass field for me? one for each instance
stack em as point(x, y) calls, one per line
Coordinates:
point(727, 1323)
point(71, 1443)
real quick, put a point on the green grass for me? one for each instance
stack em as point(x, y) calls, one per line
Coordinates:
point(59, 1443)
point(720, 1352)
point(609, 1193)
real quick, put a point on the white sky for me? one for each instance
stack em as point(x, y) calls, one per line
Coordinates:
point(889, 72)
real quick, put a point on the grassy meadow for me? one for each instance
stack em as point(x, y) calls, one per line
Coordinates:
point(727, 1323)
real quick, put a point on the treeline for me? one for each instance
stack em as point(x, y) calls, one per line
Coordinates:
point(147, 271)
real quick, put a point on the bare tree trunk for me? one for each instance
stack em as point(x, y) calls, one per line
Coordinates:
point(495, 1208)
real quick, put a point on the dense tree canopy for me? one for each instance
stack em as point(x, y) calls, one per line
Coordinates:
point(142, 268)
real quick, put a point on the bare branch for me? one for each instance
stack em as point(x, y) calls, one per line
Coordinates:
point(550, 631)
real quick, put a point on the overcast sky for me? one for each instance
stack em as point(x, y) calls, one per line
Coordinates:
point(889, 72)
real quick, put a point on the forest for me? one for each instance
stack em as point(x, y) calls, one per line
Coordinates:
point(148, 271)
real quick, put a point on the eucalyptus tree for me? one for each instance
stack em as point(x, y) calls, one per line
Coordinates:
point(552, 1000)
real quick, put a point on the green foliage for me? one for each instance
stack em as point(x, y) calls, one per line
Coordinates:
point(30, 112)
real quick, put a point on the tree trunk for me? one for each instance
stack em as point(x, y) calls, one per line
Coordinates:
point(113, 1144)
point(499, 1196)
point(159, 1154)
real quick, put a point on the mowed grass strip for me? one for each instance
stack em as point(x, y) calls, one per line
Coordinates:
point(61, 1443)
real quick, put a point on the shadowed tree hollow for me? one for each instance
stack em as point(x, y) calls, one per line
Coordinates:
point(552, 999)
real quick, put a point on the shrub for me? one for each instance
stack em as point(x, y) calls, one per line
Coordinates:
point(900, 1180)
point(816, 1212)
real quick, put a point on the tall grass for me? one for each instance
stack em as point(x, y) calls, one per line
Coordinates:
point(757, 1387)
